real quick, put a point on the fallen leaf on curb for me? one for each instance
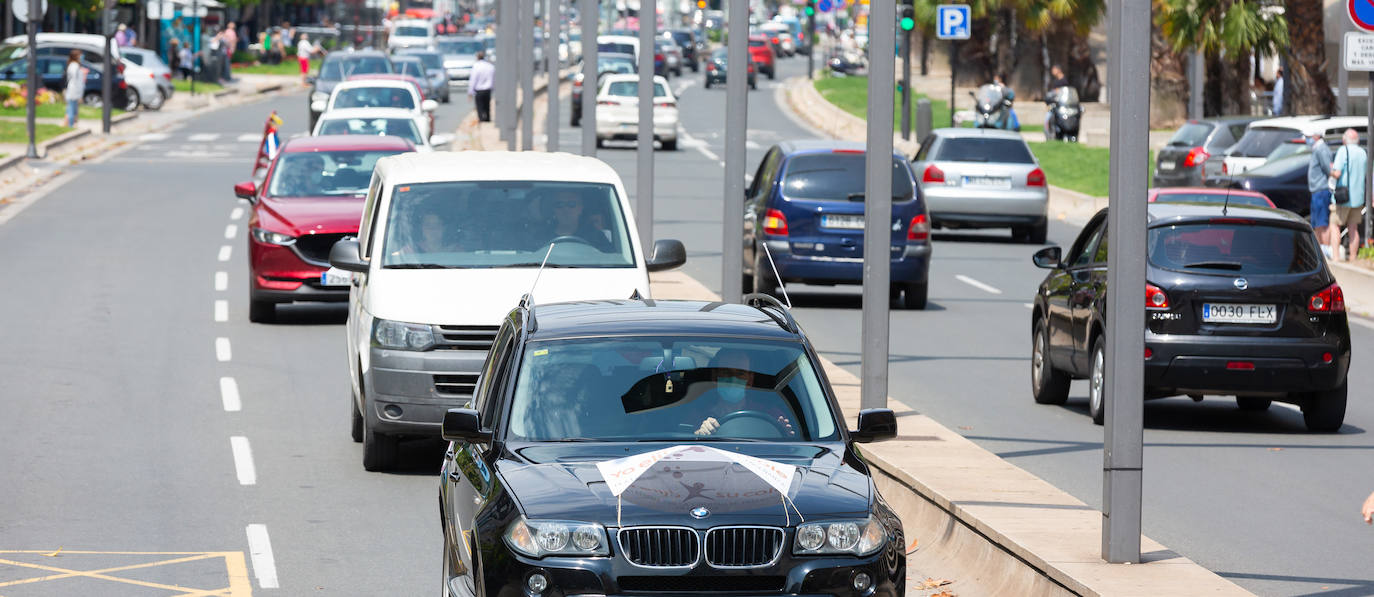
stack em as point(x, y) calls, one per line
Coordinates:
point(943, 594)
point(966, 427)
point(912, 548)
point(1275, 449)
point(931, 583)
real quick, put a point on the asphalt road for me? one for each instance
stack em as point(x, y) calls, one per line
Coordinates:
point(117, 368)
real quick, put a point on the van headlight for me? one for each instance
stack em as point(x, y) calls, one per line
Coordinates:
point(854, 537)
point(539, 538)
point(398, 335)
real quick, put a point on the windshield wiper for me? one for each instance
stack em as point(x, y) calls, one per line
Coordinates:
point(1217, 265)
point(417, 266)
point(700, 439)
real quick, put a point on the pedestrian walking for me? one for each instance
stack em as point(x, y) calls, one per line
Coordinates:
point(1318, 184)
point(231, 45)
point(76, 86)
point(1348, 176)
point(304, 51)
point(121, 36)
point(1278, 93)
point(187, 61)
point(479, 85)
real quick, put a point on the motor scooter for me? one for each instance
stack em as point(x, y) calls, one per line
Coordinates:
point(992, 108)
point(1065, 114)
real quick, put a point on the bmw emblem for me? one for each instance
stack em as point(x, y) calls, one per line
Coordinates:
point(699, 512)
point(1241, 284)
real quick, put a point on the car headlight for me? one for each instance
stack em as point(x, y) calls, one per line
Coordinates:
point(319, 96)
point(539, 538)
point(272, 238)
point(399, 335)
point(855, 537)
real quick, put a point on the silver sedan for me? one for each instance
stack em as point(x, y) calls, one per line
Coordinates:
point(983, 178)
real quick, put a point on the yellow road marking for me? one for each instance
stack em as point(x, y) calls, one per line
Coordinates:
point(237, 571)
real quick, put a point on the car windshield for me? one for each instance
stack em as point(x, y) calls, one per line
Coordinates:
point(395, 127)
point(1192, 134)
point(665, 389)
point(757, 43)
point(615, 48)
point(615, 65)
point(133, 57)
point(462, 47)
point(1258, 142)
point(838, 177)
point(430, 60)
point(11, 52)
point(411, 32)
point(324, 173)
point(976, 149)
point(374, 97)
point(1218, 198)
point(366, 66)
point(631, 89)
point(506, 224)
point(1244, 247)
point(413, 68)
point(683, 38)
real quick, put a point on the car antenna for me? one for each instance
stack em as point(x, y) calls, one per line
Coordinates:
point(528, 300)
point(782, 287)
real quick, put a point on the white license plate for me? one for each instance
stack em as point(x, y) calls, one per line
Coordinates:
point(844, 222)
point(1167, 166)
point(1000, 182)
point(1238, 313)
point(335, 277)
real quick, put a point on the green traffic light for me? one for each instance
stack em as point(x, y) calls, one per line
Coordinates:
point(908, 23)
point(810, 10)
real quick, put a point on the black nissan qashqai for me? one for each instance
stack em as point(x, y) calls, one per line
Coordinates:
point(649, 447)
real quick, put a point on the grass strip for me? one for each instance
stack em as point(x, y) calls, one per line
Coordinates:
point(14, 131)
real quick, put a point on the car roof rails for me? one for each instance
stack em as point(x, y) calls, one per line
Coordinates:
point(768, 304)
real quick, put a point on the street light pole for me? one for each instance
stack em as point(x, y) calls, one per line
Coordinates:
point(525, 60)
point(736, 124)
point(553, 65)
point(878, 205)
point(107, 66)
point(589, 16)
point(1123, 452)
point(644, 174)
point(31, 27)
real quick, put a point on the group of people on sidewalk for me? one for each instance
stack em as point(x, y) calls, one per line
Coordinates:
point(1337, 184)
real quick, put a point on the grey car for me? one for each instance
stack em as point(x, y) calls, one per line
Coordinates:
point(460, 53)
point(983, 178)
point(435, 73)
point(1195, 151)
point(149, 59)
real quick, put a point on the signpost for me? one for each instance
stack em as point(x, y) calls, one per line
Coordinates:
point(644, 175)
point(877, 270)
point(736, 124)
point(953, 22)
point(553, 67)
point(22, 10)
point(589, 15)
point(1358, 55)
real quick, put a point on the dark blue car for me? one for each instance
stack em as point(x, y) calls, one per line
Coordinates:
point(806, 203)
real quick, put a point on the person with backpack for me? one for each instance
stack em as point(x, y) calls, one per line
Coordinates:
point(1348, 175)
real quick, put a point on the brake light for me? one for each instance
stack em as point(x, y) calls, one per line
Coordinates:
point(1196, 156)
point(710, 66)
point(1330, 300)
point(608, 103)
point(1149, 354)
point(1036, 178)
point(775, 223)
point(846, 151)
point(119, 66)
point(1224, 168)
point(1240, 366)
point(919, 230)
point(1155, 297)
point(123, 84)
point(775, 41)
point(933, 174)
point(577, 82)
point(167, 76)
point(658, 57)
point(665, 103)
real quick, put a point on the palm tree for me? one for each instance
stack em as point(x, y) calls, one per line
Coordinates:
point(1305, 82)
point(1226, 32)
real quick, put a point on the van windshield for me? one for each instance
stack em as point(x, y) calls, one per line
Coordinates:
point(506, 224)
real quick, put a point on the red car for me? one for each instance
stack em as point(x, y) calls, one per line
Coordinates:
point(311, 197)
point(1206, 195)
point(761, 50)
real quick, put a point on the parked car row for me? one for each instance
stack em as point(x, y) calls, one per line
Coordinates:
point(141, 79)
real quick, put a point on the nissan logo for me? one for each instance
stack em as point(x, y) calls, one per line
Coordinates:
point(1241, 284)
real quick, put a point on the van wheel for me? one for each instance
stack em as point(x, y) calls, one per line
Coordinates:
point(764, 280)
point(262, 311)
point(914, 295)
point(357, 428)
point(379, 450)
point(600, 143)
point(1253, 403)
point(1097, 383)
point(1048, 385)
point(1325, 411)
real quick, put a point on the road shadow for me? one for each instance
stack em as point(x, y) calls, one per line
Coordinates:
point(420, 457)
point(844, 358)
point(304, 314)
point(1219, 414)
point(803, 299)
point(971, 237)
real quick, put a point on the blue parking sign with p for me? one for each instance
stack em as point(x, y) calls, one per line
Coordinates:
point(952, 21)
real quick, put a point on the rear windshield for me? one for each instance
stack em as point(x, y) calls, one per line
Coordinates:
point(411, 32)
point(412, 68)
point(1218, 198)
point(395, 127)
point(1233, 248)
point(631, 89)
point(374, 97)
point(366, 66)
point(616, 48)
point(1258, 142)
point(838, 177)
point(430, 60)
point(1191, 134)
point(460, 47)
point(976, 149)
point(757, 43)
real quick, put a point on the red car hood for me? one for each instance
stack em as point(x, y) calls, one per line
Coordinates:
point(312, 215)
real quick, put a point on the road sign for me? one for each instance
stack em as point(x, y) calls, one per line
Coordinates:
point(952, 21)
point(1361, 13)
point(824, 6)
point(21, 9)
point(1359, 51)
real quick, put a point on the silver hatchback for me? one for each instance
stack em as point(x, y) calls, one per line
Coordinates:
point(983, 178)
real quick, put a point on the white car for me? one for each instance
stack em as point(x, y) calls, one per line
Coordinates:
point(619, 44)
point(448, 245)
point(142, 86)
point(1263, 136)
point(150, 60)
point(413, 33)
point(617, 111)
point(381, 121)
point(379, 93)
point(781, 35)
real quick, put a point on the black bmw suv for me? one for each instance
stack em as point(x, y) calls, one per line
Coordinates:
point(1238, 303)
point(662, 447)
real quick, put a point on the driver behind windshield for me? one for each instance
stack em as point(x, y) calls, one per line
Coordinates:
point(733, 393)
point(301, 176)
point(566, 217)
point(431, 231)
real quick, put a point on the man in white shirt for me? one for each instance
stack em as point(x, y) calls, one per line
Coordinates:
point(479, 85)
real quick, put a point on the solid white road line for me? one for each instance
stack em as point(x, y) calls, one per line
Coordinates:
point(203, 137)
point(224, 252)
point(249, 137)
point(221, 310)
point(243, 460)
point(221, 280)
point(1360, 321)
point(976, 284)
point(222, 352)
point(236, 214)
point(231, 231)
point(260, 551)
point(229, 394)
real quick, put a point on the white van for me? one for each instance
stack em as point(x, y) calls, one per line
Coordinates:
point(447, 246)
point(413, 33)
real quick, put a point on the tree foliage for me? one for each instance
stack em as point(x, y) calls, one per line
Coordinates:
point(1222, 26)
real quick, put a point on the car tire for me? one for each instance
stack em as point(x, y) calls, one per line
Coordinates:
point(1097, 382)
point(1325, 411)
point(92, 99)
point(1253, 403)
point(914, 295)
point(754, 84)
point(132, 100)
point(600, 142)
point(707, 84)
point(357, 428)
point(772, 74)
point(1037, 234)
point(670, 145)
point(1048, 385)
point(696, 68)
point(764, 280)
point(379, 450)
point(155, 103)
point(262, 311)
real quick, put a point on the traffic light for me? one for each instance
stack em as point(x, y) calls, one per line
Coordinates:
point(810, 8)
point(908, 21)
point(701, 4)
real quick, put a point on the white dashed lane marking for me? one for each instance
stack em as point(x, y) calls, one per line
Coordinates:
point(221, 281)
point(229, 394)
point(153, 136)
point(222, 351)
point(260, 552)
point(202, 137)
point(224, 252)
point(221, 310)
point(249, 137)
point(976, 284)
point(243, 460)
point(231, 231)
point(236, 214)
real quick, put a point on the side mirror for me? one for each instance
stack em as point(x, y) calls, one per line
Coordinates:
point(668, 254)
point(462, 425)
point(246, 190)
point(318, 106)
point(875, 424)
point(347, 255)
point(429, 105)
point(441, 140)
point(1047, 258)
